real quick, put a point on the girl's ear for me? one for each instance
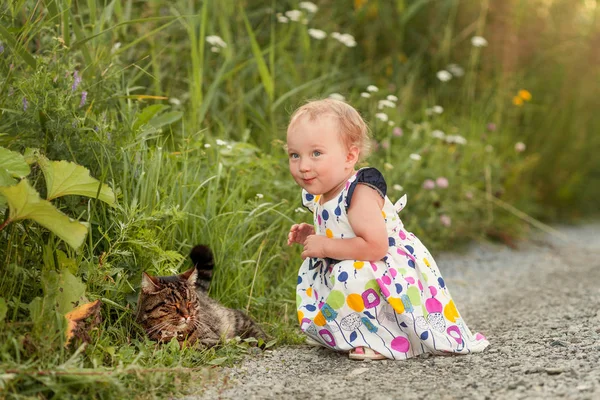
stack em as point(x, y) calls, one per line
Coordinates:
point(352, 156)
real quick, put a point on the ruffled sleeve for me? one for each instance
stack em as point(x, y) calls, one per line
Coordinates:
point(370, 177)
point(308, 200)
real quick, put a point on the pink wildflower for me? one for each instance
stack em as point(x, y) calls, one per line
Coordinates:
point(445, 220)
point(442, 182)
point(428, 184)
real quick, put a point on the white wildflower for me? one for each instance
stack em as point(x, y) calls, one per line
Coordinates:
point(300, 210)
point(220, 142)
point(337, 96)
point(456, 70)
point(456, 139)
point(294, 15)
point(391, 97)
point(415, 157)
point(206, 145)
point(372, 88)
point(388, 166)
point(391, 123)
point(317, 34)
point(520, 147)
point(282, 19)
point(215, 49)
point(460, 140)
point(398, 187)
point(438, 134)
point(216, 41)
point(437, 109)
point(382, 117)
point(444, 75)
point(175, 101)
point(229, 147)
point(385, 103)
point(308, 6)
point(344, 38)
point(115, 47)
point(479, 41)
point(260, 195)
point(365, 95)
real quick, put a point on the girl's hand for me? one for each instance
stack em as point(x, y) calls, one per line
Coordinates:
point(314, 246)
point(299, 233)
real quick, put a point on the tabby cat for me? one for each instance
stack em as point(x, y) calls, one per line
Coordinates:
point(178, 306)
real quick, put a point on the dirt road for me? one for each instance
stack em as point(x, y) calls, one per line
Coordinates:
point(539, 306)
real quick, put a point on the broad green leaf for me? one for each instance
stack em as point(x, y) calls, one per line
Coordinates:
point(14, 163)
point(64, 289)
point(25, 203)
point(66, 263)
point(64, 178)
point(36, 310)
point(147, 114)
point(6, 178)
point(166, 119)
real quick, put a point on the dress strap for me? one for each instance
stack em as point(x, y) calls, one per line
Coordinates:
point(370, 177)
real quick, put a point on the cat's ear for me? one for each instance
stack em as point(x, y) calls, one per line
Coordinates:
point(150, 284)
point(190, 276)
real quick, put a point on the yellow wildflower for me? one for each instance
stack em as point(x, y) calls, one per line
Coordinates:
point(517, 101)
point(358, 4)
point(525, 94)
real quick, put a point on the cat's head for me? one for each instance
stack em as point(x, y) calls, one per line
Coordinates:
point(168, 305)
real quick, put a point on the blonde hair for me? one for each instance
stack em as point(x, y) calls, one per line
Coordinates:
point(353, 129)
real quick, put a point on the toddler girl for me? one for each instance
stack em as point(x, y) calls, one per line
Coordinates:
point(366, 285)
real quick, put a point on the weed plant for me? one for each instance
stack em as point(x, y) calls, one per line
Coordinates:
point(483, 112)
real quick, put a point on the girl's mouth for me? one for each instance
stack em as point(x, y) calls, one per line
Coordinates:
point(308, 180)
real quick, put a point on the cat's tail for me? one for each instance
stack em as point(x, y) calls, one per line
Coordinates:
point(203, 260)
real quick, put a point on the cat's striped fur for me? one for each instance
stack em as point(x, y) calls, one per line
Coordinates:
point(178, 306)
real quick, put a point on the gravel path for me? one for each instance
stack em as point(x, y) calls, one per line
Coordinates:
point(539, 306)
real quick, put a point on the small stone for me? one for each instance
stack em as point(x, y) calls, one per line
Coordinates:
point(555, 371)
point(556, 343)
point(356, 372)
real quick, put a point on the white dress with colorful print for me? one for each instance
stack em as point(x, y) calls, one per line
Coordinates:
point(399, 306)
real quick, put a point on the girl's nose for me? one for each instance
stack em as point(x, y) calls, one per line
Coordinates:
point(304, 166)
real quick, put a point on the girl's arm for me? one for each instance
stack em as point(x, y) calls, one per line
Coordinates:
point(367, 222)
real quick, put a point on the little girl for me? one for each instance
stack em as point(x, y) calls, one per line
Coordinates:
point(366, 285)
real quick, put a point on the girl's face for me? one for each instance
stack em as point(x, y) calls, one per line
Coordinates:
point(320, 162)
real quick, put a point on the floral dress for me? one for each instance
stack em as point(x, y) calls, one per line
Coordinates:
point(399, 306)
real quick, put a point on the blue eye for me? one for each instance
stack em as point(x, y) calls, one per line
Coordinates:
point(294, 155)
point(316, 153)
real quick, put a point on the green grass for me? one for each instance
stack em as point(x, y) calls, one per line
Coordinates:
point(191, 141)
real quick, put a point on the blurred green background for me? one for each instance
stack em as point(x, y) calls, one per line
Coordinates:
point(485, 112)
